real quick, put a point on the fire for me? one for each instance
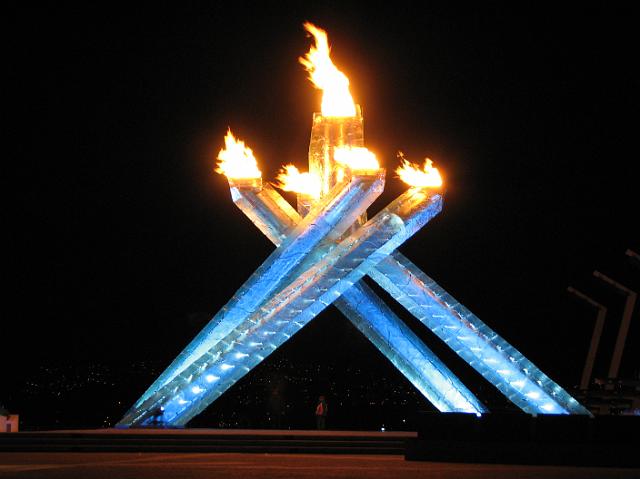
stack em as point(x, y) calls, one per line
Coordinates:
point(236, 160)
point(336, 98)
point(426, 177)
point(290, 179)
point(356, 158)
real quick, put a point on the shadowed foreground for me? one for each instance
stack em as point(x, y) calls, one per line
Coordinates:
point(245, 466)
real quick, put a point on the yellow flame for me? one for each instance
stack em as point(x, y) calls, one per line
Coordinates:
point(290, 179)
point(356, 158)
point(413, 175)
point(336, 99)
point(236, 160)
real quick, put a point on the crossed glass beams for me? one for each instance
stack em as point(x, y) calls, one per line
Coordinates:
point(324, 274)
point(515, 376)
point(308, 271)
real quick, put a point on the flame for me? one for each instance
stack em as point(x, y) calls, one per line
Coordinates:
point(356, 158)
point(428, 176)
point(236, 160)
point(290, 179)
point(336, 99)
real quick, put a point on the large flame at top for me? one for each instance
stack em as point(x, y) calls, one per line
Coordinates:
point(356, 158)
point(236, 160)
point(413, 175)
point(336, 99)
point(290, 179)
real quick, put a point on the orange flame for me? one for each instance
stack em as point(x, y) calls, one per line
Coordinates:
point(290, 179)
point(428, 176)
point(336, 99)
point(356, 158)
point(236, 160)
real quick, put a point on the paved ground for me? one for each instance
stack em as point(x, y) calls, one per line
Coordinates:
point(237, 432)
point(270, 466)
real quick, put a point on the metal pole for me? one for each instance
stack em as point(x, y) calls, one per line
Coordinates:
point(624, 324)
point(595, 337)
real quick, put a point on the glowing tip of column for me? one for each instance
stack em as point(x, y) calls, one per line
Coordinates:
point(290, 179)
point(426, 177)
point(358, 159)
point(236, 161)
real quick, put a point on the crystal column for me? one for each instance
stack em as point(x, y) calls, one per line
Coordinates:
point(527, 386)
point(327, 133)
point(327, 220)
point(494, 358)
point(370, 315)
point(282, 316)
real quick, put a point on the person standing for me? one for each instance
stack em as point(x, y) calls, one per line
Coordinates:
point(321, 413)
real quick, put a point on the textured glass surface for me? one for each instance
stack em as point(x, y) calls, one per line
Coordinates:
point(489, 354)
point(327, 221)
point(377, 322)
point(284, 314)
point(327, 133)
point(515, 376)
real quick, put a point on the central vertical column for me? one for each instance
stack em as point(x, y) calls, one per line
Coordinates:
point(328, 133)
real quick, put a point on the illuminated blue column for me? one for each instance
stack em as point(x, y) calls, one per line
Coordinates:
point(489, 354)
point(284, 314)
point(525, 385)
point(368, 313)
point(326, 221)
point(406, 351)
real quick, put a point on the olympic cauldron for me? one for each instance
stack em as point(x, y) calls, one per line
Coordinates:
point(324, 248)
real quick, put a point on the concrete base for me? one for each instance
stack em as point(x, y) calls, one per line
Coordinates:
point(607, 441)
point(208, 440)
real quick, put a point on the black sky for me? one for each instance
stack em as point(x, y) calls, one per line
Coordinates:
point(120, 231)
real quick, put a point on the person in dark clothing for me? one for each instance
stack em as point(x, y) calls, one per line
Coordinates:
point(321, 413)
point(157, 418)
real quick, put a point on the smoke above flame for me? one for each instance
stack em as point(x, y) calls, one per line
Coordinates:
point(290, 179)
point(356, 158)
point(236, 160)
point(413, 175)
point(336, 98)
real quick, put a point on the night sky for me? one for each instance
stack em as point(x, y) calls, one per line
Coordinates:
point(123, 240)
